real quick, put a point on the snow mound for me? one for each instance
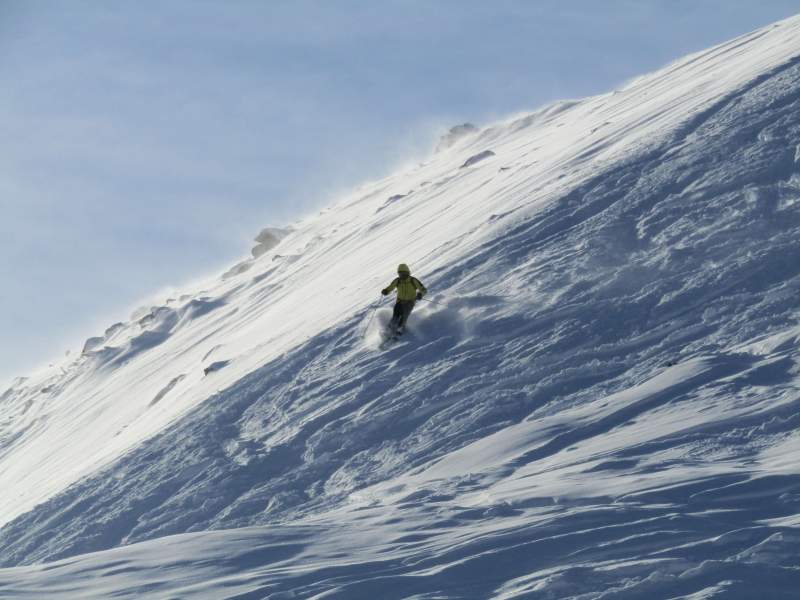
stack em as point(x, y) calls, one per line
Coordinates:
point(454, 135)
point(267, 239)
point(476, 158)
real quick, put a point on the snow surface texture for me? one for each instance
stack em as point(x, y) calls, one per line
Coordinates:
point(602, 402)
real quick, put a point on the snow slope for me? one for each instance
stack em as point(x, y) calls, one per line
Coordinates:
point(601, 402)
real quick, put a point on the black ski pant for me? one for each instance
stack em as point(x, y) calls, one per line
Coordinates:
point(402, 309)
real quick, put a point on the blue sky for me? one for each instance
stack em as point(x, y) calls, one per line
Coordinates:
point(145, 143)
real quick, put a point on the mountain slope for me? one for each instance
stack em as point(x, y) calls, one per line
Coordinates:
point(602, 400)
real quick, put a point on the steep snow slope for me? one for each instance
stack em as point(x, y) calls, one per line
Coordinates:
point(603, 399)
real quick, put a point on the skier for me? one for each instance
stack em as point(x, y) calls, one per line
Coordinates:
point(409, 290)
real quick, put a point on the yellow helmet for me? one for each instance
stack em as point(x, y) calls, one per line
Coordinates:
point(403, 268)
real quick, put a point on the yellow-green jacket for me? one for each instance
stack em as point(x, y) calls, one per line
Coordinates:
point(406, 288)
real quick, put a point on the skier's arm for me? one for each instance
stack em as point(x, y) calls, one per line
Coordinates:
point(418, 284)
point(385, 291)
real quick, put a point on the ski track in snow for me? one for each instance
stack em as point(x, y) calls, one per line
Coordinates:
point(601, 403)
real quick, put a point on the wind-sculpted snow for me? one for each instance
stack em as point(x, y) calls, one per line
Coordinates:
point(668, 544)
point(598, 400)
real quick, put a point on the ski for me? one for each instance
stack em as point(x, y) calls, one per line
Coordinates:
point(390, 336)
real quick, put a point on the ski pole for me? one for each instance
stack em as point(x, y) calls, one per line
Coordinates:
point(434, 302)
point(374, 310)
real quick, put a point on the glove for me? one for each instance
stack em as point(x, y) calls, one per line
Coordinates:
point(419, 295)
point(385, 292)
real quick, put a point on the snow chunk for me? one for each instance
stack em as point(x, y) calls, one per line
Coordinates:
point(216, 366)
point(477, 158)
point(166, 389)
point(391, 200)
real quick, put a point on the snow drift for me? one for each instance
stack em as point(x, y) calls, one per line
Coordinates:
point(601, 402)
